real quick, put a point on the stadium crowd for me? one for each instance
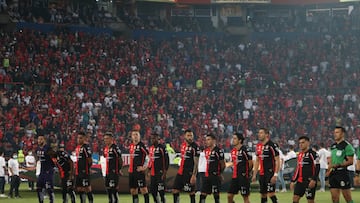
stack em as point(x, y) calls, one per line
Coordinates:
point(61, 82)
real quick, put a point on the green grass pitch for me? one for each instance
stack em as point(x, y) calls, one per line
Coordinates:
point(286, 197)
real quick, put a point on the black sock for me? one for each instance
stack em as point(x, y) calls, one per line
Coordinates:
point(202, 198)
point(217, 198)
point(82, 197)
point(162, 196)
point(264, 200)
point(155, 197)
point(146, 197)
point(116, 197)
point(51, 195)
point(176, 197)
point(72, 196)
point(90, 197)
point(64, 193)
point(40, 195)
point(274, 199)
point(135, 199)
point(110, 195)
point(192, 198)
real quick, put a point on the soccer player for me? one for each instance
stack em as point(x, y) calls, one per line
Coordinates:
point(242, 165)
point(113, 165)
point(342, 155)
point(158, 165)
point(215, 165)
point(267, 163)
point(186, 176)
point(82, 168)
point(45, 154)
point(66, 172)
point(138, 164)
point(306, 173)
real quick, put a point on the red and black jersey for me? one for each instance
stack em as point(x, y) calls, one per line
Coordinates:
point(113, 158)
point(240, 158)
point(213, 158)
point(138, 154)
point(82, 166)
point(159, 159)
point(308, 166)
point(266, 154)
point(63, 163)
point(188, 152)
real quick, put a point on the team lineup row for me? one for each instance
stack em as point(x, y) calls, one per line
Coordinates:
point(75, 176)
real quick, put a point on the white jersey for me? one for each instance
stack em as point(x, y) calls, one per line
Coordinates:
point(13, 166)
point(282, 160)
point(202, 163)
point(324, 154)
point(2, 166)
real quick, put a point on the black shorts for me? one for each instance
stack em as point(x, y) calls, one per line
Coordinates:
point(82, 180)
point(241, 184)
point(66, 183)
point(211, 184)
point(137, 180)
point(182, 182)
point(157, 184)
point(265, 185)
point(111, 181)
point(45, 180)
point(339, 179)
point(302, 188)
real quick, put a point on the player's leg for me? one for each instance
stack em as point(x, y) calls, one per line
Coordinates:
point(347, 195)
point(64, 189)
point(178, 185)
point(70, 191)
point(206, 189)
point(133, 188)
point(233, 190)
point(108, 188)
point(154, 188)
point(39, 187)
point(161, 190)
point(263, 189)
point(335, 195)
point(88, 189)
point(215, 182)
point(271, 189)
point(143, 188)
point(50, 188)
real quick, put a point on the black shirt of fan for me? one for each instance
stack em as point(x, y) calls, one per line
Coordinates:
point(112, 155)
point(82, 166)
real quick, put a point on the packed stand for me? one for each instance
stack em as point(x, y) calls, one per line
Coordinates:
point(62, 83)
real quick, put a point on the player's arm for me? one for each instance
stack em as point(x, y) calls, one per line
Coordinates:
point(165, 159)
point(317, 167)
point(119, 157)
point(221, 161)
point(88, 155)
point(256, 168)
point(71, 164)
point(277, 165)
point(146, 160)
